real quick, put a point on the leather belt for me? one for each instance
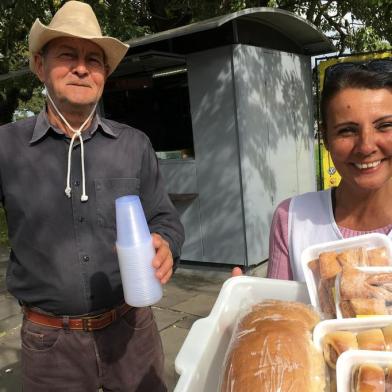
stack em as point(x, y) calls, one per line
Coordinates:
point(89, 323)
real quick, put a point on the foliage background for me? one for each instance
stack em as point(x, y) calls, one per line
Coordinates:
point(352, 25)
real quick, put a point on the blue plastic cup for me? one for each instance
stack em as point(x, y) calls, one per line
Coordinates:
point(132, 228)
point(135, 253)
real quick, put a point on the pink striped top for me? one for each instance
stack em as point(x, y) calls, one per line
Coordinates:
point(279, 263)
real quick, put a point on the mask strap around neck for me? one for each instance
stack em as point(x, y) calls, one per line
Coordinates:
point(76, 133)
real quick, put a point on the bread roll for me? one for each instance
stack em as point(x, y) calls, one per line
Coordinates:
point(314, 266)
point(387, 332)
point(353, 257)
point(371, 339)
point(346, 309)
point(329, 265)
point(353, 284)
point(378, 257)
point(368, 306)
point(358, 284)
point(326, 297)
point(370, 378)
point(388, 380)
point(335, 343)
point(272, 350)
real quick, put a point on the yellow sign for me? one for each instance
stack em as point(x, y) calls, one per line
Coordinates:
point(329, 174)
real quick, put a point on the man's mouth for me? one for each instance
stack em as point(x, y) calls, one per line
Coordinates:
point(367, 165)
point(78, 84)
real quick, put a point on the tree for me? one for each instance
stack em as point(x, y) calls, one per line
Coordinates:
point(357, 26)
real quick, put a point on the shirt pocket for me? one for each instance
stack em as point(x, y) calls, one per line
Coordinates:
point(107, 190)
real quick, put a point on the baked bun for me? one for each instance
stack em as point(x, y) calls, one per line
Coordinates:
point(369, 378)
point(271, 350)
point(335, 343)
point(371, 339)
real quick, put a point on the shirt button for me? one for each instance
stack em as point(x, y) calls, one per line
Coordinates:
point(86, 259)
point(77, 183)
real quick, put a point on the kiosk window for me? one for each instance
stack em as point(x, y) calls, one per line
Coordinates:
point(157, 106)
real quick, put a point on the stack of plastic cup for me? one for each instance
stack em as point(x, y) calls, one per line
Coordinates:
point(135, 253)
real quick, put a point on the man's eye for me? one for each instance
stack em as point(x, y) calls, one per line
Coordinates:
point(96, 61)
point(66, 55)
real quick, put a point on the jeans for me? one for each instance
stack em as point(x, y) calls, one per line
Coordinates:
point(126, 356)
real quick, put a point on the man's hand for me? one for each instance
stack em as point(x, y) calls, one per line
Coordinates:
point(163, 260)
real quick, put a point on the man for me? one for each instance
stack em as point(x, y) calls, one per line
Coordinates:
point(77, 333)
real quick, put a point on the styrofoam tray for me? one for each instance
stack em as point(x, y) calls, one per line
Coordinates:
point(349, 324)
point(349, 360)
point(368, 241)
point(200, 359)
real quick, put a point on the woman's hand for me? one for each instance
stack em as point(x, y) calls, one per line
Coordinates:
point(236, 271)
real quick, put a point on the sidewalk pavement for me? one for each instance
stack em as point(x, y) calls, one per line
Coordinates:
point(188, 296)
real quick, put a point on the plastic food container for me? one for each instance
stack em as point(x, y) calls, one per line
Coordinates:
point(349, 361)
point(200, 359)
point(367, 241)
point(348, 324)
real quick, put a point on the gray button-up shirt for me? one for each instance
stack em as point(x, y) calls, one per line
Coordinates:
point(63, 257)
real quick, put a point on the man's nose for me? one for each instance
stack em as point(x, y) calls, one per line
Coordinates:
point(80, 66)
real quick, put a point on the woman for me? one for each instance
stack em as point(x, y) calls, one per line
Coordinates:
point(356, 110)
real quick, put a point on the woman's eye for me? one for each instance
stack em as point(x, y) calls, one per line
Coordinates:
point(387, 126)
point(346, 131)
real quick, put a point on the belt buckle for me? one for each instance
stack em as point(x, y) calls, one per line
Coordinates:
point(86, 325)
point(113, 315)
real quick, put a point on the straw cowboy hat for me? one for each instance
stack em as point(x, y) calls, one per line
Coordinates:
point(75, 19)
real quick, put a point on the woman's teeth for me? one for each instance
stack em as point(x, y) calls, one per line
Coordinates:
point(367, 165)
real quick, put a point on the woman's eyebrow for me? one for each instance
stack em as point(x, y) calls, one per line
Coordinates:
point(387, 116)
point(345, 123)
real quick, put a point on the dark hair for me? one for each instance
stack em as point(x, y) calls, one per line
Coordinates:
point(354, 77)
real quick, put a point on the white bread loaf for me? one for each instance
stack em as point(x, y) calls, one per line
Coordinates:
point(272, 351)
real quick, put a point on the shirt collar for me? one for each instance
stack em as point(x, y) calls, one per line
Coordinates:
point(42, 127)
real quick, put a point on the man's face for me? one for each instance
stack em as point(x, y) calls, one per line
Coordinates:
point(74, 72)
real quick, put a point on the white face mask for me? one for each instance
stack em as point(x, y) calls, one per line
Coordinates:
point(76, 133)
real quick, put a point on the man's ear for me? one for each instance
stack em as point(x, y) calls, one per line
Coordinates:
point(39, 66)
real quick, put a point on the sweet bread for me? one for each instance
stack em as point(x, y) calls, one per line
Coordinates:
point(346, 309)
point(378, 257)
point(387, 332)
point(326, 297)
point(371, 339)
point(368, 306)
point(353, 257)
point(335, 343)
point(388, 380)
point(329, 265)
point(353, 284)
point(369, 378)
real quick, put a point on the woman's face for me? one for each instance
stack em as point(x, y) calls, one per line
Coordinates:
point(359, 136)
